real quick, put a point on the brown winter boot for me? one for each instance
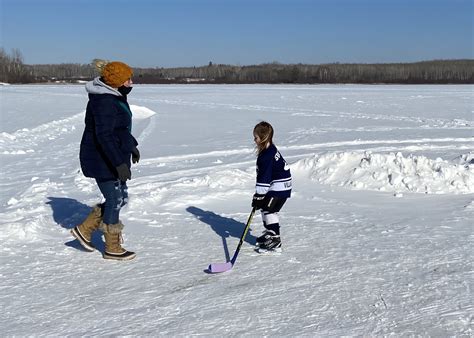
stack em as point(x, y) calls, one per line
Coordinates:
point(113, 239)
point(83, 232)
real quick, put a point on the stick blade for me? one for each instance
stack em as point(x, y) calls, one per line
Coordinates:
point(220, 267)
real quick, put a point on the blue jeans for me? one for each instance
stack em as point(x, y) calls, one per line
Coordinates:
point(116, 196)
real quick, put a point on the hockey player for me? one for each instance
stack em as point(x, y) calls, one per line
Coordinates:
point(273, 187)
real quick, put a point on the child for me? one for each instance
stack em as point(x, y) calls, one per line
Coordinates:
point(273, 186)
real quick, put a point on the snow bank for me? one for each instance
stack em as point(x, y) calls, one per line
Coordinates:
point(391, 172)
point(141, 113)
point(24, 140)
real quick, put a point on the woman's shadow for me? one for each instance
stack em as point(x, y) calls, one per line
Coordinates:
point(68, 213)
point(223, 226)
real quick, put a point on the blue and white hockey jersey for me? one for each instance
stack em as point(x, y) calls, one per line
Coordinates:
point(273, 174)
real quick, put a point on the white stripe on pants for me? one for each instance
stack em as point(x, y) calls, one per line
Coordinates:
point(270, 218)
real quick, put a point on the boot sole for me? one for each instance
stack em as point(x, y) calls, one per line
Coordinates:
point(85, 244)
point(119, 257)
point(275, 251)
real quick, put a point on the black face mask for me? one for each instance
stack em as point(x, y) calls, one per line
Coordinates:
point(124, 90)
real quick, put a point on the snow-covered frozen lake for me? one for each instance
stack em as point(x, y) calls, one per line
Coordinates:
point(377, 238)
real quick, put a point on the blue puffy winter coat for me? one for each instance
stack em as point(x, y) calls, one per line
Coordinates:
point(107, 141)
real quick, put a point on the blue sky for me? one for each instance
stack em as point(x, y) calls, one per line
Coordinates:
point(169, 33)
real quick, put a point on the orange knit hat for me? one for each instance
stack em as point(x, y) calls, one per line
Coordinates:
point(116, 73)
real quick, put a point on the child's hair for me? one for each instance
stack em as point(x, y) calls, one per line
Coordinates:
point(264, 131)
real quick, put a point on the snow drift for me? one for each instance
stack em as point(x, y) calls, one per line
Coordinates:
point(391, 172)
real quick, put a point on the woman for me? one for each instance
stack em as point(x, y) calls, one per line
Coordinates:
point(106, 148)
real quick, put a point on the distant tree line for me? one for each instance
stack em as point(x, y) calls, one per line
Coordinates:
point(442, 71)
point(13, 70)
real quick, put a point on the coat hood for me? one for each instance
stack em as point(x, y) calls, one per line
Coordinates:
point(96, 86)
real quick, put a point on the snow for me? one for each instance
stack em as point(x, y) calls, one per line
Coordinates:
point(390, 172)
point(377, 237)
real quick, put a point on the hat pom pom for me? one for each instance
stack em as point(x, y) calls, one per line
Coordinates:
point(99, 64)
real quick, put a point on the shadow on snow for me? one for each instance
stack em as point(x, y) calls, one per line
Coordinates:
point(223, 226)
point(68, 213)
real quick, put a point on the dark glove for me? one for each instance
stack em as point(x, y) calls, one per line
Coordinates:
point(123, 172)
point(135, 155)
point(258, 201)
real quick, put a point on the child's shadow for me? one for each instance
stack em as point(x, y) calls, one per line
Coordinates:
point(68, 213)
point(223, 226)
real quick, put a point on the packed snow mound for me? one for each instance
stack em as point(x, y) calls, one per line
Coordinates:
point(466, 159)
point(141, 113)
point(391, 172)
